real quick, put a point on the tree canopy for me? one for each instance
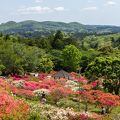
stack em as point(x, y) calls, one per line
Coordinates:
point(71, 57)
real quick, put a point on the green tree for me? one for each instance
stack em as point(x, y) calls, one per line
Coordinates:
point(57, 59)
point(71, 40)
point(45, 64)
point(2, 67)
point(87, 58)
point(11, 60)
point(31, 58)
point(18, 58)
point(71, 57)
point(107, 68)
point(58, 42)
point(43, 43)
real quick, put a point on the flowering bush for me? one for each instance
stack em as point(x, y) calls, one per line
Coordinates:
point(84, 117)
point(71, 84)
point(40, 91)
point(19, 84)
point(100, 98)
point(5, 86)
point(23, 93)
point(79, 117)
point(82, 80)
point(50, 82)
point(42, 76)
point(16, 77)
point(51, 112)
point(9, 107)
point(96, 116)
point(108, 101)
point(31, 85)
point(58, 93)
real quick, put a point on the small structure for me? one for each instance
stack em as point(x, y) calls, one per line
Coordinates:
point(34, 74)
point(62, 74)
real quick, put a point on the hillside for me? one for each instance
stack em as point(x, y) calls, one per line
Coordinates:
point(31, 28)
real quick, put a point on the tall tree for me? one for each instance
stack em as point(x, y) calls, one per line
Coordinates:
point(71, 57)
point(58, 42)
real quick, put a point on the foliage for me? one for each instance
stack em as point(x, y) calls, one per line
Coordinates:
point(2, 67)
point(71, 57)
point(109, 69)
point(67, 103)
point(45, 64)
point(36, 116)
point(58, 93)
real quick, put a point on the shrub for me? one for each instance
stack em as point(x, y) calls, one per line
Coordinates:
point(11, 108)
point(36, 116)
point(68, 103)
point(40, 91)
point(58, 93)
point(19, 83)
point(79, 117)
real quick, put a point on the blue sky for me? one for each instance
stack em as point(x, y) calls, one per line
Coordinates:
point(105, 12)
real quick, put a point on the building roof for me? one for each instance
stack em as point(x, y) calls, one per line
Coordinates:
point(62, 74)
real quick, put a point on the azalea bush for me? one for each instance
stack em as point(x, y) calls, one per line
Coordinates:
point(107, 100)
point(5, 86)
point(19, 77)
point(58, 93)
point(82, 80)
point(40, 91)
point(23, 93)
point(48, 112)
point(86, 116)
point(11, 108)
point(79, 117)
point(18, 84)
point(100, 98)
point(31, 85)
point(71, 84)
point(42, 76)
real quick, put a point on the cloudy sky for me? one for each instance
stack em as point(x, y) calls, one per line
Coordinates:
point(105, 12)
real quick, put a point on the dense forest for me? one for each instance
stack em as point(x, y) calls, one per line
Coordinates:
point(96, 55)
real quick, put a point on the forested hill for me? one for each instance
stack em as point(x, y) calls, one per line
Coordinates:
point(31, 28)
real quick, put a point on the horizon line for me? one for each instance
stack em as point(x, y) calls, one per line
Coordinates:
point(59, 22)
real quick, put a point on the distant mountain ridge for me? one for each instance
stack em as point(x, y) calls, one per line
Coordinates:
point(32, 28)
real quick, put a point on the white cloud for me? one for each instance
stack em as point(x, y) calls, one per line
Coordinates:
point(111, 3)
point(90, 8)
point(39, 1)
point(39, 10)
point(59, 8)
point(34, 10)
